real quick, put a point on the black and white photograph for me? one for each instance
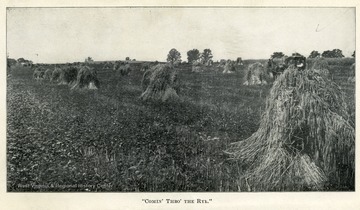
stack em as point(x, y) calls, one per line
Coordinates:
point(180, 99)
point(179, 106)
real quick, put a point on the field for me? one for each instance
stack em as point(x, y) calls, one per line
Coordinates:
point(108, 140)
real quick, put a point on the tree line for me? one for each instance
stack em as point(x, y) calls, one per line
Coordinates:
point(195, 55)
point(335, 53)
point(11, 61)
point(192, 56)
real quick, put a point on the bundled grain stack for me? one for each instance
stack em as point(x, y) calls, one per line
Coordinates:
point(48, 74)
point(229, 67)
point(38, 73)
point(256, 75)
point(305, 140)
point(222, 63)
point(239, 61)
point(55, 74)
point(196, 67)
point(122, 68)
point(68, 76)
point(276, 66)
point(125, 69)
point(209, 63)
point(116, 65)
point(298, 61)
point(86, 79)
point(145, 67)
point(352, 73)
point(321, 66)
point(146, 78)
point(106, 65)
point(163, 84)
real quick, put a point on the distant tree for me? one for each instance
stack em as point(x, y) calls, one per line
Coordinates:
point(335, 53)
point(277, 55)
point(21, 60)
point(89, 60)
point(314, 54)
point(296, 54)
point(327, 54)
point(193, 55)
point(239, 61)
point(338, 53)
point(173, 56)
point(353, 55)
point(134, 59)
point(10, 62)
point(206, 55)
point(127, 58)
point(25, 62)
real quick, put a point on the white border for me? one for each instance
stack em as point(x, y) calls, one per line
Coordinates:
point(115, 201)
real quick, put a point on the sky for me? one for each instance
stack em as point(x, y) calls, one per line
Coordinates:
point(60, 35)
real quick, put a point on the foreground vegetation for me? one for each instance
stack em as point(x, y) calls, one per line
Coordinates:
point(108, 140)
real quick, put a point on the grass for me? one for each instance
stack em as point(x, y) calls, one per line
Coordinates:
point(111, 139)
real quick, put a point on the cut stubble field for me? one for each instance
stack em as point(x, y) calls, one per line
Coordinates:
point(109, 140)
